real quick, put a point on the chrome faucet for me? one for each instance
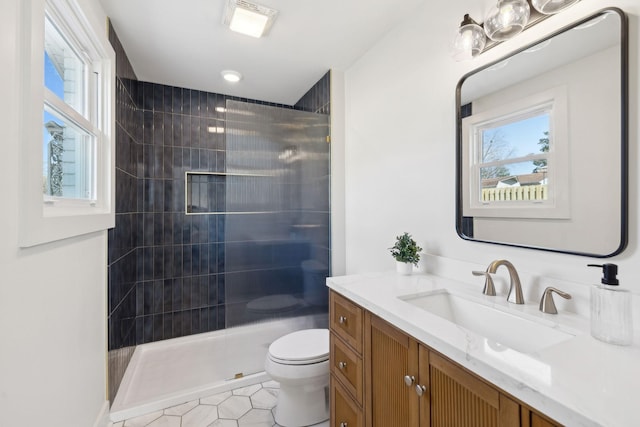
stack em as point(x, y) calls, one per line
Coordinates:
point(514, 287)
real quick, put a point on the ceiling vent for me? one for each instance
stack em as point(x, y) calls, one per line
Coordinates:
point(248, 18)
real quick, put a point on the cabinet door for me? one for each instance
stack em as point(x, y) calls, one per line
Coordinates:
point(460, 399)
point(390, 356)
point(344, 412)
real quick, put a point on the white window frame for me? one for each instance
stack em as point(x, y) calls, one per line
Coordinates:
point(557, 204)
point(49, 219)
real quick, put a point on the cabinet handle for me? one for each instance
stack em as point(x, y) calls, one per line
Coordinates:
point(342, 365)
point(343, 424)
point(342, 320)
point(420, 389)
point(409, 380)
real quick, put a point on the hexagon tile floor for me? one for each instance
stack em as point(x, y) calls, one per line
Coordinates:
point(247, 406)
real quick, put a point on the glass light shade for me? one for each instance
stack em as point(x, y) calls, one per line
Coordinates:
point(506, 19)
point(549, 7)
point(469, 40)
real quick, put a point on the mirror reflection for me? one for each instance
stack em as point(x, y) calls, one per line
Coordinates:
point(542, 143)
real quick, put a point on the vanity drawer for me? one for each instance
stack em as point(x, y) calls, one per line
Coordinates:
point(345, 319)
point(347, 367)
point(344, 411)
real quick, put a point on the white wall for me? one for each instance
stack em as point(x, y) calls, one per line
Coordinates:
point(400, 145)
point(52, 297)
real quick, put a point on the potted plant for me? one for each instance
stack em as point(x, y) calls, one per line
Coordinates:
point(406, 253)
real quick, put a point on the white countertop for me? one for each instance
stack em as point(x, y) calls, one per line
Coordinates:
point(577, 382)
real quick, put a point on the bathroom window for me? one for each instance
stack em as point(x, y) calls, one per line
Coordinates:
point(68, 128)
point(517, 159)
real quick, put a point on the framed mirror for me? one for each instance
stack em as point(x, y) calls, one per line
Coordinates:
point(542, 139)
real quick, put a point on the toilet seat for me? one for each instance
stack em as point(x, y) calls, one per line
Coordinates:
point(304, 347)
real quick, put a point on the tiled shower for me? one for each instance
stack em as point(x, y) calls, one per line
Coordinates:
point(216, 214)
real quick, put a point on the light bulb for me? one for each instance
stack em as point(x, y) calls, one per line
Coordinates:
point(506, 19)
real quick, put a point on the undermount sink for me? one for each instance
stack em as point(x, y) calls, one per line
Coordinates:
point(496, 325)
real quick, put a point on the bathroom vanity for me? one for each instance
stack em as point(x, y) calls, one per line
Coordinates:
point(424, 350)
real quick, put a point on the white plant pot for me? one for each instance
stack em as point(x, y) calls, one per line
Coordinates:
point(404, 268)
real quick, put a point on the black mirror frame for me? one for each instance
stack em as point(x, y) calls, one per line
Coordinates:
point(624, 133)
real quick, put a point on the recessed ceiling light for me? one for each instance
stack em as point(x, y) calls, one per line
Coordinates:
point(248, 18)
point(231, 76)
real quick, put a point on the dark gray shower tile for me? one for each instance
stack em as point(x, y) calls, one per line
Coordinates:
point(177, 324)
point(177, 261)
point(169, 265)
point(176, 105)
point(212, 289)
point(145, 292)
point(211, 104)
point(186, 323)
point(167, 295)
point(186, 229)
point(158, 129)
point(168, 99)
point(167, 162)
point(178, 195)
point(147, 265)
point(186, 101)
point(158, 262)
point(147, 329)
point(186, 159)
point(205, 319)
point(221, 161)
point(168, 224)
point(176, 164)
point(158, 162)
point(186, 293)
point(194, 129)
point(221, 317)
point(168, 197)
point(158, 98)
point(148, 226)
point(195, 259)
point(195, 322)
point(195, 159)
point(157, 327)
point(158, 196)
point(177, 129)
point(167, 326)
point(158, 229)
point(147, 95)
point(158, 296)
point(187, 260)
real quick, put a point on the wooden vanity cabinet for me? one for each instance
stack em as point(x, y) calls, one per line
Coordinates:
point(399, 382)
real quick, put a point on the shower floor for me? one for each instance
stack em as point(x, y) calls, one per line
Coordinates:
point(171, 372)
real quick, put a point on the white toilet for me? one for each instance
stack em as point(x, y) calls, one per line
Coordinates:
point(299, 361)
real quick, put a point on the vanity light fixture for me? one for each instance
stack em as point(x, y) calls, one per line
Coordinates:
point(505, 20)
point(469, 40)
point(248, 18)
point(231, 76)
point(549, 7)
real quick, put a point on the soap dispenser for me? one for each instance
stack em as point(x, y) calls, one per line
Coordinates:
point(611, 308)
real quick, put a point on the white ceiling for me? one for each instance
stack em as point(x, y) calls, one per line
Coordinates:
point(184, 43)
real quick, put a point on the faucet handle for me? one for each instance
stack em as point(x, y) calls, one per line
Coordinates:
point(546, 302)
point(489, 288)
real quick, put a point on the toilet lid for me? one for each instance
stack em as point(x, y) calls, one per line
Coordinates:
point(301, 348)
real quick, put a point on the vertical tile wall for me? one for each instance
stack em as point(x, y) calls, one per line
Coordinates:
point(166, 276)
point(125, 237)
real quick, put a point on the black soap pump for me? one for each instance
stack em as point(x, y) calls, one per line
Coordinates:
point(611, 308)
